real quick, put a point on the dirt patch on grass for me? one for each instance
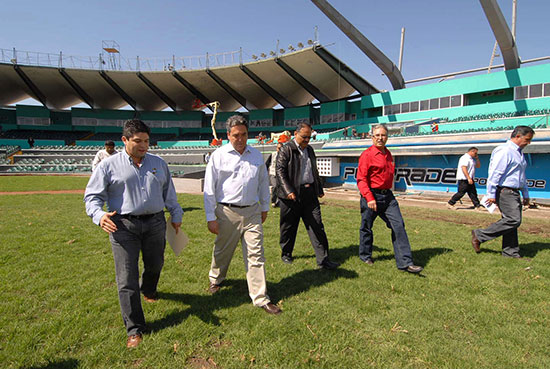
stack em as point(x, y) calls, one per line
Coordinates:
point(196, 362)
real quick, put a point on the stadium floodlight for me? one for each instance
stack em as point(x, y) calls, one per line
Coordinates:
point(272, 53)
point(291, 48)
point(310, 42)
point(263, 55)
point(254, 56)
point(282, 51)
point(300, 45)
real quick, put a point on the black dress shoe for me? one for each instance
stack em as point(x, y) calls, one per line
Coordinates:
point(329, 265)
point(516, 257)
point(271, 308)
point(369, 261)
point(151, 298)
point(287, 259)
point(413, 269)
point(475, 242)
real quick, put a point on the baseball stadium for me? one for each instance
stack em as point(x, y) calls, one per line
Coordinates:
point(59, 305)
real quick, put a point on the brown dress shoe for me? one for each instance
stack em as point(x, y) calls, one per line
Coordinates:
point(134, 340)
point(413, 269)
point(152, 298)
point(271, 308)
point(213, 288)
point(475, 242)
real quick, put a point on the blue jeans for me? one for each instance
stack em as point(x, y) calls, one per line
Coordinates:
point(387, 209)
point(132, 237)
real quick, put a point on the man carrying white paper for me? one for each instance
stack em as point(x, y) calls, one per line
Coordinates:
point(505, 182)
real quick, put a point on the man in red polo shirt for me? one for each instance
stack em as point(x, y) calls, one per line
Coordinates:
point(375, 179)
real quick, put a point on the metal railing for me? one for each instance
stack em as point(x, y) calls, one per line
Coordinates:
point(104, 62)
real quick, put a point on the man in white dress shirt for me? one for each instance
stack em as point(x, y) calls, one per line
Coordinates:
point(104, 154)
point(236, 202)
point(465, 175)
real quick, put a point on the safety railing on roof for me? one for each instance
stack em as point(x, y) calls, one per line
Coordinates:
point(108, 62)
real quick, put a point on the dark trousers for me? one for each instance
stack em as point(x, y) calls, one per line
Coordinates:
point(132, 237)
point(388, 210)
point(273, 183)
point(509, 204)
point(306, 207)
point(463, 188)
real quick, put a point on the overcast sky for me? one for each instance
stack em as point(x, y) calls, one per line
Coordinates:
point(441, 35)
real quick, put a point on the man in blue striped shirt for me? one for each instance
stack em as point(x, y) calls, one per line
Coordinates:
point(136, 186)
point(505, 182)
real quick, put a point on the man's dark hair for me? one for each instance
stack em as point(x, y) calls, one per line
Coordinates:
point(236, 120)
point(473, 148)
point(110, 143)
point(133, 126)
point(522, 131)
point(301, 125)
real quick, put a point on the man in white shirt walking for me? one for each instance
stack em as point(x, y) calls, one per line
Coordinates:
point(104, 154)
point(465, 175)
point(506, 185)
point(236, 202)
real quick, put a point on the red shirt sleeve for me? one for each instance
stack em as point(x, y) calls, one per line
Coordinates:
point(363, 182)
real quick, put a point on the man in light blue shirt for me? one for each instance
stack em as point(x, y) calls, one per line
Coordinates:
point(505, 182)
point(136, 186)
point(236, 202)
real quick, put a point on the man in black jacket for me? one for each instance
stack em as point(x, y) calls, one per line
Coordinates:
point(298, 189)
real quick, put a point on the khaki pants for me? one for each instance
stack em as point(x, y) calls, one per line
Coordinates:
point(245, 225)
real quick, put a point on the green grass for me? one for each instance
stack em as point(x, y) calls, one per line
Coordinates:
point(59, 306)
point(42, 183)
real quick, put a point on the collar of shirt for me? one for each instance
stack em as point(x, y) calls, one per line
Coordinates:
point(229, 148)
point(130, 159)
point(300, 150)
point(513, 145)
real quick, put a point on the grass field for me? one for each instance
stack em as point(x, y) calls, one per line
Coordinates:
point(59, 306)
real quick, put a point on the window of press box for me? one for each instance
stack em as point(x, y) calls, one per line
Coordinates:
point(456, 100)
point(424, 105)
point(445, 102)
point(535, 90)
point(521, 92)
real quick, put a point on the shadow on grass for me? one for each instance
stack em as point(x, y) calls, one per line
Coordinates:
point(529, 250)
point(61, 364)
point(235, 293)
point(341, 254)
point(421, 257)
point(190, 208)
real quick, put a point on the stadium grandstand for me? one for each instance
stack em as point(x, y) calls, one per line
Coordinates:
point(431, 124)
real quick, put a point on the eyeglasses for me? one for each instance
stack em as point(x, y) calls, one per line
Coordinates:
point(305, 137)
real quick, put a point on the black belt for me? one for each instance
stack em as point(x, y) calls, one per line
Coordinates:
point(234, 206)
point(508, 188)
point(139, 217)
point(379, 190)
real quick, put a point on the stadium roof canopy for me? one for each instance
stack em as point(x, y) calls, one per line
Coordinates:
point(293, 79)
